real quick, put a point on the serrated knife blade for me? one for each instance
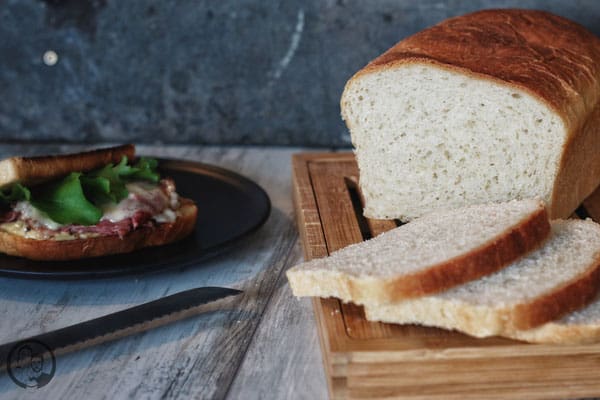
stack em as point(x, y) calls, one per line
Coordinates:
point(125, 322)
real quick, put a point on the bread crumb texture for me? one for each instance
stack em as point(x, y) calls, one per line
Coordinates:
point(426, 241)
point(572, 248)
point(428, 138)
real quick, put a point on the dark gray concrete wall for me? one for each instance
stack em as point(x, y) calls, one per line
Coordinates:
point(223, 72)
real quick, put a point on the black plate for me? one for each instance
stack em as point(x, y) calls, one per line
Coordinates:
point(230, 207)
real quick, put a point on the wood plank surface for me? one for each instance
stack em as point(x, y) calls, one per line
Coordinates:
point(252, 350)
point(375, 360)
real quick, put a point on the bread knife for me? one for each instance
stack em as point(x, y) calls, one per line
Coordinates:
point(123, 323)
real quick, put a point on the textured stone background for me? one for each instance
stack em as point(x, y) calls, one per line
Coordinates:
point(222, 72)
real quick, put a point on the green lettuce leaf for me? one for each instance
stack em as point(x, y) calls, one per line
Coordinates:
point(76, 198)
point(122, 169)
point(116, 186)
point(145, 169)
point(97, 189)
point(65, 202)
point(108, 183)
point(16, 192)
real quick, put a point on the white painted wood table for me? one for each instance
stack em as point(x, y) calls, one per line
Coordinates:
point(265, 347)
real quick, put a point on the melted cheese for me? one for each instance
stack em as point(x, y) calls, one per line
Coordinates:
point(127, 208)
point(30, 212)
point(167, 215)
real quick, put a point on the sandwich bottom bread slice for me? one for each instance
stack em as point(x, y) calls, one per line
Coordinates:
point(88, 205)
point(427, 255)
point(558, 278)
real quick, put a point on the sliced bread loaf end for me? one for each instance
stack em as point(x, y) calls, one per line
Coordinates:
point(560, 277)
point(430, 254)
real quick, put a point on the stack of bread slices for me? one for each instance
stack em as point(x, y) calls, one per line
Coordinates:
point(500, 269)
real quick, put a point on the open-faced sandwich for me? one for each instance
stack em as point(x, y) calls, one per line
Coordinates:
point(88, 205)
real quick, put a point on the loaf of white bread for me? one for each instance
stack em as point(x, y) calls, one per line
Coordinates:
point(454, 128)
point(486, 107)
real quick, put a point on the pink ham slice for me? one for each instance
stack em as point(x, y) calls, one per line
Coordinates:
point(10, 216)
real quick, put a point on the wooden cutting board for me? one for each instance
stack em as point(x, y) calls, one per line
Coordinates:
point(375, 360)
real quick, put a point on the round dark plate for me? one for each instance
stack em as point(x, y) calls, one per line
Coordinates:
point(230, 207)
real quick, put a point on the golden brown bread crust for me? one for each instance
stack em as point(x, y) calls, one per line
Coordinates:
point(486, 259)
point(573, 295)
point(557, 332)
point(579, 172)
point(530, 320)
point(550, 57)
point(55, 250)
point(483, 261)
point(31, 170)
point(491, 257)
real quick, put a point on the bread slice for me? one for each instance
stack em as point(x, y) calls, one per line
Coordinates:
point(486, 107)
point(146, 236)
point(32, 170)
point(578, 327)
point(560, 277)
point(427, 255)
